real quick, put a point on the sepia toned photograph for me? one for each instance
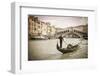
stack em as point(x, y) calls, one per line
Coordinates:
point(57, 37)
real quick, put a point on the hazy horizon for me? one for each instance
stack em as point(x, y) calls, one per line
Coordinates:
point(63, 22)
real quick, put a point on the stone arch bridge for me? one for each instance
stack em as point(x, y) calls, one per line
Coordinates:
point(72, 34)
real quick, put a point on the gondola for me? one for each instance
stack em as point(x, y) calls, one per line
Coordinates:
point(68, 49)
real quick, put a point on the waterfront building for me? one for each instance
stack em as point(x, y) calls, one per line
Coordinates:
point(48, 28)
point(37, 28)
point(44, 28)
point(53, 30)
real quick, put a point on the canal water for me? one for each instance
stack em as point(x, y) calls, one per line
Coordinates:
point(46, 49)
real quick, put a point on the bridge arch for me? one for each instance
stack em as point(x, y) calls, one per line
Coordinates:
point(72, 35)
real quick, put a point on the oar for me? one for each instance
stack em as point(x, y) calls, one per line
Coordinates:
point(65, 42)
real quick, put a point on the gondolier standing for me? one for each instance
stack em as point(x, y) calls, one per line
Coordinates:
point(60, 39)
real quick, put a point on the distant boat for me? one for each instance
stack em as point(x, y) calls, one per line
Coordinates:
point(68, 49)
point(40, 37)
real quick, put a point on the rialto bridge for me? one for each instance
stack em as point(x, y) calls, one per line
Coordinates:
point(72, 33)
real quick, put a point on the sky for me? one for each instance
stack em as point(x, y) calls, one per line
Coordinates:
point(63, 22)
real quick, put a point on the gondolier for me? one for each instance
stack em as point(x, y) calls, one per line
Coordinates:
point(60, 39)
point(69, 48)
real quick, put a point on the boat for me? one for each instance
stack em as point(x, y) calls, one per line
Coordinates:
point(68, 49)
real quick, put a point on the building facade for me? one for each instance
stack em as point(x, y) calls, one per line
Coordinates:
point(39, 29)
point(44, 29)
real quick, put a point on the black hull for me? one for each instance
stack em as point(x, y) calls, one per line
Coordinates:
point(67, 50)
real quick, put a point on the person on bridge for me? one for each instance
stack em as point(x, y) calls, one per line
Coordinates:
point(61, 39)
